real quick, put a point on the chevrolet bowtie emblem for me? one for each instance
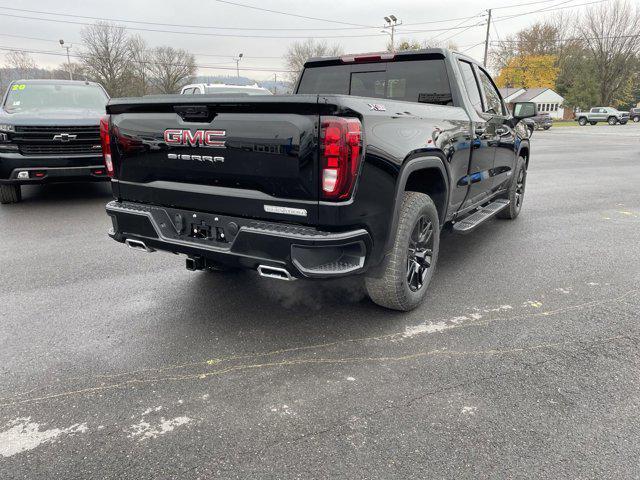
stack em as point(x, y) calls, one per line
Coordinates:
point(64, 137)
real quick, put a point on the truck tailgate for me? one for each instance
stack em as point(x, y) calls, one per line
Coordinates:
point(244, 159)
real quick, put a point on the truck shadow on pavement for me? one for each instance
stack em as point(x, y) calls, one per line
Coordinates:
point(242, 300)
point(64, 192)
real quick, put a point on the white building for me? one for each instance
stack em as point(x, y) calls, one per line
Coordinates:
point(547, 100)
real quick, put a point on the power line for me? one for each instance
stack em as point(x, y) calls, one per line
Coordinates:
point(289, 14)
point(572, 39)
point(230, 55)
point(528, 4)
point(550, 9)
point(146, 62)
point(179, 25)
point(209, 34)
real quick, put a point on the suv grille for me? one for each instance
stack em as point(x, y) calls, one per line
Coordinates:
point(71, 140)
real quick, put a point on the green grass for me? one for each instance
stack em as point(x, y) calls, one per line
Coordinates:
point(565, 123)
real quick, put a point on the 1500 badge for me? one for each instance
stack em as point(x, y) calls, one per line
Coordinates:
point(199, 138)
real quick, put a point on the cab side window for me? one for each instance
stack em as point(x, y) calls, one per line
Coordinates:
point(493, 102)
point(471, 85)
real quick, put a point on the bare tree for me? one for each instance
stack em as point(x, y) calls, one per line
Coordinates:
point(140, 58)
point(21, 62)
point(106, 56)
point(170, 69)
point(300, 52)
point(610, 35)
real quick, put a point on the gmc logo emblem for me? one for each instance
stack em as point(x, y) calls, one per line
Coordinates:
point(199, 138)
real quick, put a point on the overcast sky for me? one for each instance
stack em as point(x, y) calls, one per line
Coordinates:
point(266, 53)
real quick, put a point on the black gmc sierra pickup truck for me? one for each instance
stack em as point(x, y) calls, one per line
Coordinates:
point(357, 173)
point(50, 132)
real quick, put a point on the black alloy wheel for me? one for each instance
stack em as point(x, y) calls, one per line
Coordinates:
point(420, 253)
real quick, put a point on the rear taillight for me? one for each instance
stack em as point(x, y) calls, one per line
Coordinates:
point(105, 140)
point(340, 153)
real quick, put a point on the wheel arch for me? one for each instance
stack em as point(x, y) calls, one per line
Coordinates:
point(525, 152)
point(423, 173)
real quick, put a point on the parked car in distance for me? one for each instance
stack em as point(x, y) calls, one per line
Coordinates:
point(542, 121)
point(355, 174)
point(50, 132)
point(634, 114)
point(602, 114)
point(223, 89)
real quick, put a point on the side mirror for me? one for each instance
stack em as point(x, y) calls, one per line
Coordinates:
point(523, 110)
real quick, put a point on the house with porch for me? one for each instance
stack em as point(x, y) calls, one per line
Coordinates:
point(547, 100)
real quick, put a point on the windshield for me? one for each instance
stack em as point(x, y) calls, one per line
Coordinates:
point(31, 96)
point(246, 91)
point(423, 81)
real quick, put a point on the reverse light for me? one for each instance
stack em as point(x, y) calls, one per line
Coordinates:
point(340, 155)
point(105, 141)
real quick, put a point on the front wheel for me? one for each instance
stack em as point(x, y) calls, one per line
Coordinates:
point(515, 195)
point(10, 193)
point(410, 266)
point(582, 121)
point(612, 120)
point(636, 119)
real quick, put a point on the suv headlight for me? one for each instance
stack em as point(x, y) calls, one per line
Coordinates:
point(7, 128)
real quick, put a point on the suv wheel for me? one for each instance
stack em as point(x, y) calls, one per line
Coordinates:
point(410, 266)
point(516, 191)
point(10, 193)
point(636, 119)
point(612, 120)
point(582, 121)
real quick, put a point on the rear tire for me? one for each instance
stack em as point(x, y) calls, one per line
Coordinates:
point(582, 121)
point(546, 128)
point(636, 119)
point(410, 266)
point(515, 195)
point(10, 194)
point(612, 120)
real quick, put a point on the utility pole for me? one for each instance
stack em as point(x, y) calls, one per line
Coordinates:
point(486, 40)
point(237, 60)
point(392, 23)
point(68, 57)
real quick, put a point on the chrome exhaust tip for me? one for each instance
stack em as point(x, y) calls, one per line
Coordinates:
point(138, 245)
point(275, 272)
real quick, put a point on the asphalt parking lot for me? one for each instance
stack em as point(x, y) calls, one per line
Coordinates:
point(522, 363)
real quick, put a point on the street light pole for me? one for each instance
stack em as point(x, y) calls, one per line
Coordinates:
point(237, 60)
point(68, 57)
point(392, 23)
